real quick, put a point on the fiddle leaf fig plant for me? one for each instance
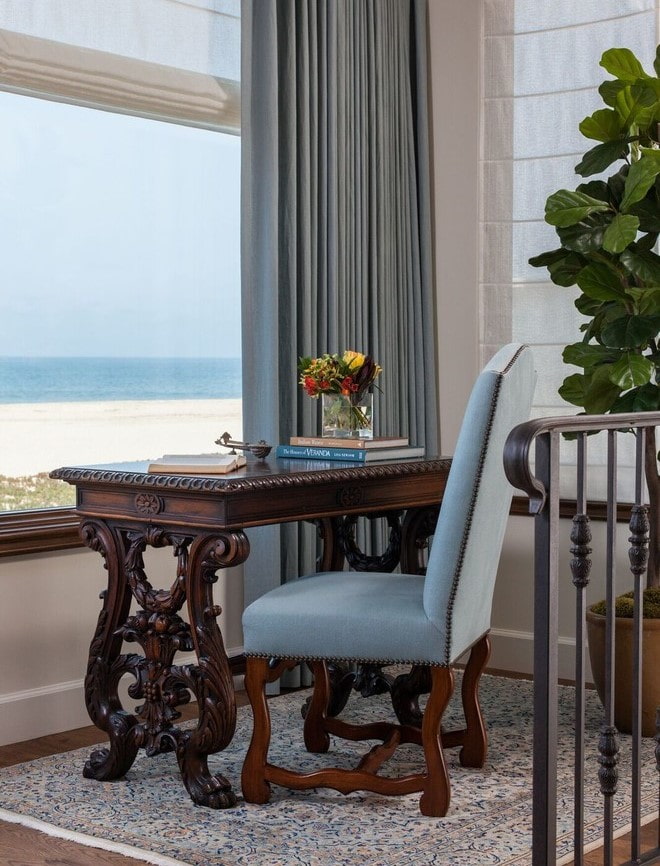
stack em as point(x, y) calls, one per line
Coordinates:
point(608, 228)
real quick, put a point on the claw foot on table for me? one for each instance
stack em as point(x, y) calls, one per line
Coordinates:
point(205, 789)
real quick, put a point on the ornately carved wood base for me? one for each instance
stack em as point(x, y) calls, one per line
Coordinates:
point(161, 633)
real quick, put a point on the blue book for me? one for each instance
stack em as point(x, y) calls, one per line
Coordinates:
point(307, 452)
point(347, 455)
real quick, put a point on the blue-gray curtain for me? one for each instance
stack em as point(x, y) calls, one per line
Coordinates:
point(336, 233)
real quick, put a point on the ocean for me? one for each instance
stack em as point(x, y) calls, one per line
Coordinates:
point(74, 380)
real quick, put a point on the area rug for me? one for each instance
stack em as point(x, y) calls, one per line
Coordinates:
point(148, 814)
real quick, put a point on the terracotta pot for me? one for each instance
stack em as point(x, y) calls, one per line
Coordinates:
point(624, 668)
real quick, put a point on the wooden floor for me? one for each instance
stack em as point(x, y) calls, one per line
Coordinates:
point(20, 846)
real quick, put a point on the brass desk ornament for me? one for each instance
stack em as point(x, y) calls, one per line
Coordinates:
point(260, 449)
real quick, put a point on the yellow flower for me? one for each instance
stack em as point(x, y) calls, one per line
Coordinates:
point(354, 359)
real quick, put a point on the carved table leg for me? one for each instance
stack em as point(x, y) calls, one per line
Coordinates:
point(211, 679)
point(106, 665)
point(161, 633)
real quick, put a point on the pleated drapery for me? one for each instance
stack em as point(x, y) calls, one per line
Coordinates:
point(336, 243)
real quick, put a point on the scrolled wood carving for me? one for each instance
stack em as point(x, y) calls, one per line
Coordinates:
point(359, 561)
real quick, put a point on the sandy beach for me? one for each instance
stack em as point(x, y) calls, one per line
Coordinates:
point(39, 437)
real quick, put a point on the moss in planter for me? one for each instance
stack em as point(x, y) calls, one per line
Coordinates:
point(624, 605)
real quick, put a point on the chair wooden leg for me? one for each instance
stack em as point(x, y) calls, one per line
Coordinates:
point(475, 745)
point(317, 739)
point(434, 801)
point(253, 777)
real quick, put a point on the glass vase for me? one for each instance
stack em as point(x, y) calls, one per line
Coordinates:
point(347, 416)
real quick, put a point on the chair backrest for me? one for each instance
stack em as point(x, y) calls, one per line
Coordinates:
point(460, 578)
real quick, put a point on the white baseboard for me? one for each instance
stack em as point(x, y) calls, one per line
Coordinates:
point(514, 651)
point(51, 709)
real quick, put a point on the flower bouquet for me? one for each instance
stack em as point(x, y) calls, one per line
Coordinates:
point(343, 382)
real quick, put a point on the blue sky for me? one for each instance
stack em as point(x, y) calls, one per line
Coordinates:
point(119, 236)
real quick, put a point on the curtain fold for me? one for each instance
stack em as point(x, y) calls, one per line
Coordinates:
point(336, 243)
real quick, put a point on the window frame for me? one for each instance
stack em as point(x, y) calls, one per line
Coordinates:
point(39, 531)
point(43, 69)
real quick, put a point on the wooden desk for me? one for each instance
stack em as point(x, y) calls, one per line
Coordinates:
point(124, 510)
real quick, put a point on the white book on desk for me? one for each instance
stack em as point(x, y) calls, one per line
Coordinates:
point(197, 464)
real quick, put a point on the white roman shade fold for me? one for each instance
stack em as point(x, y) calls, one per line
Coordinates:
point(167, 59)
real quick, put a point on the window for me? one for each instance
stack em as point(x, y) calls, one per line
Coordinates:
point(540, 72)
point(120, 334)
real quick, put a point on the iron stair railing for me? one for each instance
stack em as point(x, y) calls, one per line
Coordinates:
point(542, 438)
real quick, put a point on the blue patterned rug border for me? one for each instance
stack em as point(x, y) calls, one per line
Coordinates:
point(488, 824)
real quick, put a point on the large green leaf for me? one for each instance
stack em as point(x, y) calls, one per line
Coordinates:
point(601, 392)
point(641, 177)
point(622, 63)
point(602, 125)
point(609, 89)
point(624, 402)
point(644, 265)
point(592, 330)
point(596, 189)
point(601, 157)
point(647, 300)
point(635, 104)
point(565, 271)
point(574, 388)
point(588, 354)
point(643, 399)
point(588, 306)
point(630, 331)
point(647, 399)
point(598, 281)
point(631, 371)
point(548, 258)
point(567, 207)
point(621, 232)
point(585, 237)
point(616, 185)
point(648, 212)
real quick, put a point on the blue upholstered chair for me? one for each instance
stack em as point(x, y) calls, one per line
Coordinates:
point(428, 620)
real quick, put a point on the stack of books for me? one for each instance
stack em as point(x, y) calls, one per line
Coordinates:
point(349, 450)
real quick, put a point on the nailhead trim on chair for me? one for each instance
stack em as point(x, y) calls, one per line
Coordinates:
point(473, 502)
point(351, 659)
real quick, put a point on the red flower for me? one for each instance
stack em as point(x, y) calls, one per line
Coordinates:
point(310, 386)
point(348, 386)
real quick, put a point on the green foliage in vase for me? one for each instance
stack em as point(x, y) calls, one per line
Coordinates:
point(624, 607)
point(608, 229)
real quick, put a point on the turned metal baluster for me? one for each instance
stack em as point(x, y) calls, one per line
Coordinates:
point(639, 556)
point(608, 746)
point(580, 569)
